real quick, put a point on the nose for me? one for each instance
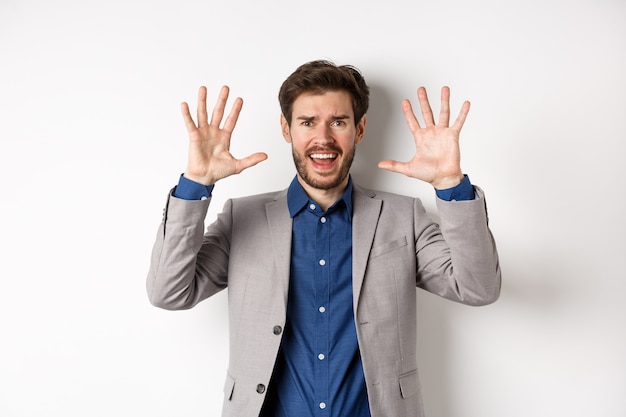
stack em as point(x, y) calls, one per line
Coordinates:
point(323, 133)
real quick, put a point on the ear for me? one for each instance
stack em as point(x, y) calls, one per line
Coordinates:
point(284, 128)
point(360, 129)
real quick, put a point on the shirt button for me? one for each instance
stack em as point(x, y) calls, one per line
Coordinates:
point(322, 405)
point(312, 206)
point(322, 309)
point(322, 262)
point(260, 388)
point(277, 330)
point(321, 356)
point(323, 219)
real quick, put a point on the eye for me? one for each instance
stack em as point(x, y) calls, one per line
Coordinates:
point(307, 123)
point(338, 123)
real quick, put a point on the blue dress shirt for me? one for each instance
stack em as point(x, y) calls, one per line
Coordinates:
point(318, 370)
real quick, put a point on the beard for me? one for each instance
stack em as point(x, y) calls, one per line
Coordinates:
point(328, 180)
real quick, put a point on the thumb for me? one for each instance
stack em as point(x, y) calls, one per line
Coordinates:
point(393, 166)
point(250, 161)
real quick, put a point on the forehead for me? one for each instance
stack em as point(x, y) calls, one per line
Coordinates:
point(328, 103)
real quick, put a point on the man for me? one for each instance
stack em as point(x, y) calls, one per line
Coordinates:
point(321, 276)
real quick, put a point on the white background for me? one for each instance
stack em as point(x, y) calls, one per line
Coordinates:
point(92, 140)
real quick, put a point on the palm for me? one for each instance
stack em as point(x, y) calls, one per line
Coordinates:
point(209, 157)
point(437, 155)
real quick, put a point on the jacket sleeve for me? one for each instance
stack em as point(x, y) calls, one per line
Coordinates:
point(457, 259)
point(187, 265)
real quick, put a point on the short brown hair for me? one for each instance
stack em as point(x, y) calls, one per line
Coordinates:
point(318, 77)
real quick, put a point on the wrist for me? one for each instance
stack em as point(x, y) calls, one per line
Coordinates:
point(447, 182)
point(191, 190)
point(199, 179)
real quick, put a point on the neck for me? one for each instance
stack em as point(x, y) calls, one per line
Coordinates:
point(324, 198)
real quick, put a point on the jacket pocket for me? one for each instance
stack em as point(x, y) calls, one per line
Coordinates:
point(409, 384)
point(229, 387)
point(388, 247)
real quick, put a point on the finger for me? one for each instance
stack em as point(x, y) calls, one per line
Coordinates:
point(189, 123)
point(427, 112)
point(460, 120)
point(218, 111)
point(409, 116)
point(233, 116)
point(201, 110)
point(444, 112)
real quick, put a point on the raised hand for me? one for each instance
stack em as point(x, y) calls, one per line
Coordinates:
point(437, 157)
point(209, 159)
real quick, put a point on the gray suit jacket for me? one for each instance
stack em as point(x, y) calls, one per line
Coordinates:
point(396, 247)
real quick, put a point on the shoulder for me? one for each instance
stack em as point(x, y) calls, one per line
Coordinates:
point(257, 201)
point(385, 196)
point(260, 198)
point(396, 207)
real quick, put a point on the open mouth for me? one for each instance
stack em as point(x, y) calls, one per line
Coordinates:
point(323, 156)
point(323, 160)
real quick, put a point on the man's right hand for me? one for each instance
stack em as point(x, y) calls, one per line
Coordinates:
point(209, 158)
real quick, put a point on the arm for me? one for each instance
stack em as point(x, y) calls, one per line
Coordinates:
point(187, 266)
point(457, 259)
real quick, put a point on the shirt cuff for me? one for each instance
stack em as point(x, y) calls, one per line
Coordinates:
point(191, 190)
point(463, 191)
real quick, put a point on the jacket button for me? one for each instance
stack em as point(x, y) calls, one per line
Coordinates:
point(278, 330)
point(260, 388)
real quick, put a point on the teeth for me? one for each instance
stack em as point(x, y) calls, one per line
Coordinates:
point(322, 156)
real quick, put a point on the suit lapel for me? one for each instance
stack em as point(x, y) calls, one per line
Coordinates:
point(280, 226)
point(365, 214)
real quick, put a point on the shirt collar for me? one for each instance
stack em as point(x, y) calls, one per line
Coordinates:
point(297, 198)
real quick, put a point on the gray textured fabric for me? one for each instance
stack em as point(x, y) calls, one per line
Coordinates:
point(396, 247)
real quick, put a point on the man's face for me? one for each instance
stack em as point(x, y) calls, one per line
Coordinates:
point(323, 138)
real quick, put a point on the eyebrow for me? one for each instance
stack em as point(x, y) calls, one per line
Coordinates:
point(312, 118)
